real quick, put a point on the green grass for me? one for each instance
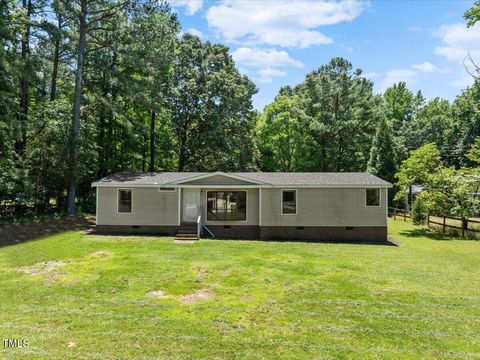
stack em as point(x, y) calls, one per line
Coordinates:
point(270, 300)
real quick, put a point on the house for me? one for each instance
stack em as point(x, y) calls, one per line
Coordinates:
point(255, 205)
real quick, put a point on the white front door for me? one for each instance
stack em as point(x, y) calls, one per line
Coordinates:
point(191, 204)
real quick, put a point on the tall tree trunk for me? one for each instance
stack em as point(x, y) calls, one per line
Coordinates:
point(24, 83)
point(77, 97)
point(101, 148)
point(56, 57)
point(113, 158)
point(182, 156)
point(57, 41)
point(324, 154)
point(144, 152)
point(152, 141)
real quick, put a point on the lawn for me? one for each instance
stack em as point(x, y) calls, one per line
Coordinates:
point(75, 295)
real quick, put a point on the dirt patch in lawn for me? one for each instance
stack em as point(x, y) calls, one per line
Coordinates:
point(101, 253)
point(158, 294)
point(50, 268)
point(203, 294)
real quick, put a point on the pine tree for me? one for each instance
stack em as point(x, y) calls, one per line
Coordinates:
point(382, 161)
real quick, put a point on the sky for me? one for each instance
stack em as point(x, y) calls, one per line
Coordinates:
point(275, 43)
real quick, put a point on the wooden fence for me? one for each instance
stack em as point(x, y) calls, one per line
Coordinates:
point(463, 226)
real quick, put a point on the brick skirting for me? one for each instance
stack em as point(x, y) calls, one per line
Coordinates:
point(136, 229)
point(235, 231)
point(374, 234)
point(325, 233)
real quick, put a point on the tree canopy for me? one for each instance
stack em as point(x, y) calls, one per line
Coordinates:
point(89, 88)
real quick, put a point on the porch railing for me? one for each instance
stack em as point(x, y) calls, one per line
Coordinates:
point(199, 225)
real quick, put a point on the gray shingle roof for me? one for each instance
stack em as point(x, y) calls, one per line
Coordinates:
point(268, 178)
point(139, 178)
point(316, 178)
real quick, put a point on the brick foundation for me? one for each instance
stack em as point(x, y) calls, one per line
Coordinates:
point(367, 234)
point(235, 231)
point(136, 229)
point(375, 234)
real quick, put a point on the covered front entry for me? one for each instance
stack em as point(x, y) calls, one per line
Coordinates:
point(191, 204)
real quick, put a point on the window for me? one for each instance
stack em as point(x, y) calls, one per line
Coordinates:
point(124, 200)
point(289, 202)
point(226, 205)
point(372, 197)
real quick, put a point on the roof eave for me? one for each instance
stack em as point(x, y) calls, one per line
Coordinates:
point(254, 186)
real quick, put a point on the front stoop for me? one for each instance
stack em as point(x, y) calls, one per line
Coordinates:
point(186, 232)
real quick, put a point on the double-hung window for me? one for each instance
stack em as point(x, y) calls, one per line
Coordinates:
point(372, 197)
point(124, 200)
point(289, 202)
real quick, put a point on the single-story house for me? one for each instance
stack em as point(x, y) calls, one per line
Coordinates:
point(257, 205)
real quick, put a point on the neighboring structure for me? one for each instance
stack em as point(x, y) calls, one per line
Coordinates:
point(256, 205)
point(411, 194)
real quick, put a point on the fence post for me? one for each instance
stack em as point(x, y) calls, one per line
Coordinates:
point(404, 215)
point(428, 220)
point(464, 226)
point(395, 214)
point(443, 227)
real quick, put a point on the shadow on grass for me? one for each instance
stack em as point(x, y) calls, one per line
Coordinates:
point(389, 242)
point(12, 234)
point(430, 234)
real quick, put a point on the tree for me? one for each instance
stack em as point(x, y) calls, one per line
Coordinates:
point(452, 192)
point(284, 144)
point(401, 106)
point(466, 111)
point(472, 15)
point(474, 153)
point(154, 28)
point(88, 17)
point(435, 123)
point(8, 106)
point(338, 107)
point(382, 161)
point(210, 108)
point(417, 168)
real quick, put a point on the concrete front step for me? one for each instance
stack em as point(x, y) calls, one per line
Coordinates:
point(187, 231)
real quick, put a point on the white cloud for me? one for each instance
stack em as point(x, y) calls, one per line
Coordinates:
point(194, 31)
point(280, 23)
point(265, 58)
point(425, 67)
point(267, 75)
point(462, 82)
point(458, 42)
point(371, 75)
point(191, 6)
point(408, 75)
point(397, 75)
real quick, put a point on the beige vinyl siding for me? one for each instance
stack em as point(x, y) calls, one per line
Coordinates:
point(324, 207)
point(218, 180)
point(149, 207)
point(252, 207)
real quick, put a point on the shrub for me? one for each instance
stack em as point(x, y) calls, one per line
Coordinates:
point(418, 213)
